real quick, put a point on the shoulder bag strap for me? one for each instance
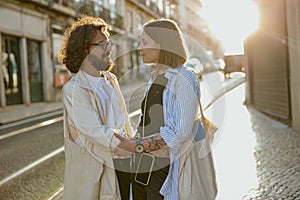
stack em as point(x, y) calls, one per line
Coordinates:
point(199, 101)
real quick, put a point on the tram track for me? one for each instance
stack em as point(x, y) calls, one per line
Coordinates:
point(18, 125)
point(40, 123)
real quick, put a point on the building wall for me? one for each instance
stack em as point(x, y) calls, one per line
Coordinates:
point(293, 25)
point(136, 14)
point(268, 62)
point(45, 21)
point(26, 24)
point(273, 61)
point(42, 23)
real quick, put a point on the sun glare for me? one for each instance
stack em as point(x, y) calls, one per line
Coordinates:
point(231, 21)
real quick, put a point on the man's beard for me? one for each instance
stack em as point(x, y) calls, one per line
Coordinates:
point(100, 65)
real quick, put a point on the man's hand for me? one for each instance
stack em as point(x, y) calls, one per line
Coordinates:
point(126, 147)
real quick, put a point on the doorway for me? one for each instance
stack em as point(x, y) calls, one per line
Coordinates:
point(35, 71)
point(11, 70)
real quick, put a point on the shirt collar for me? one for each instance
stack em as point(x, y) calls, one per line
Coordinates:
point(82, 80)
point(172, 72)
point(168, 74)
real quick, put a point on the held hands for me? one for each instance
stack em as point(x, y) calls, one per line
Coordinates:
point(126, 147)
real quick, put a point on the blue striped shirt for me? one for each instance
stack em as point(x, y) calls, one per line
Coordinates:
point(180, 106)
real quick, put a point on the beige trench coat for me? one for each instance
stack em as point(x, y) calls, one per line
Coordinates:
point(89, 170)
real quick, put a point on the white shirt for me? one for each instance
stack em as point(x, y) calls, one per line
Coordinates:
point(110, 103)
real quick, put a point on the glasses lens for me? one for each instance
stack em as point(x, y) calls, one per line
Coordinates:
point(104, 44)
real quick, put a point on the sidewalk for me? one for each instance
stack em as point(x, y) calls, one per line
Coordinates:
point(20, 112)
point(256, 157)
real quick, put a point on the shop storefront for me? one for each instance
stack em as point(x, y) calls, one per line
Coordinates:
point(25, 59)
point(272, 62)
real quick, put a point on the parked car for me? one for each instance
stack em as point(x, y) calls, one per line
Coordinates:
point(220, 64)
point(196, 66)
point(234, 63)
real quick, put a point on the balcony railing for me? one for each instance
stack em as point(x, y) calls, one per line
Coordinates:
point(94, 9)
point(152, 7)
point(143, 2)
point(66, 3)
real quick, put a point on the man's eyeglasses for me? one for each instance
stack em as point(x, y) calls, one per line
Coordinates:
point(104, 44)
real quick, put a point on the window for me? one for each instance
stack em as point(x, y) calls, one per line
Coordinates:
point(98, 7)
point(112, 4)
point(129, 20)
point(140, 21)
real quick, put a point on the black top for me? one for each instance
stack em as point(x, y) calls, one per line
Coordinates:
point(153, 113)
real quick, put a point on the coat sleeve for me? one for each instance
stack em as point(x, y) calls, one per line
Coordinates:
point(181, 110)
point(82, 113)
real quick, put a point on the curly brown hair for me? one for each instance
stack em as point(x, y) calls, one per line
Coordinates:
point(77, 38)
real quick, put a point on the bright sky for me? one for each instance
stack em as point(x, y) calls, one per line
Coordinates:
point(231, 21)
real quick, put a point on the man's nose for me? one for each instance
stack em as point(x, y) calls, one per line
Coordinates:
point(109, 47)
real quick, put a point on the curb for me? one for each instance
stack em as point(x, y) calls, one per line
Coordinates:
point(22, 112)
point(222, 91)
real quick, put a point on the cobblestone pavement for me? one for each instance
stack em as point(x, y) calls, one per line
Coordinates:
point(277, 156)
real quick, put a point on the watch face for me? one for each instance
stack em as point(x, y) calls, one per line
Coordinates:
point(139, 148)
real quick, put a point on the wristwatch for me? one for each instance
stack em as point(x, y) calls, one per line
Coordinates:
point(139, 148)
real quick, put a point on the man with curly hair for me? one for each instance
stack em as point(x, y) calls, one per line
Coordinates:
point(93, 109)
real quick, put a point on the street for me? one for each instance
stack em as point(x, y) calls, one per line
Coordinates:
point(25, 173)
point(245, 53)
point(244, 168)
